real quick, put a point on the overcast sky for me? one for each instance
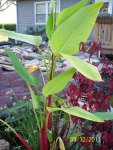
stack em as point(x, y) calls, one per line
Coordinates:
point(9, 15)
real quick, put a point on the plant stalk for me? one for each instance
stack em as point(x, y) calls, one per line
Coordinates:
point(44, 142)
point(47, 125)
point(49, 99)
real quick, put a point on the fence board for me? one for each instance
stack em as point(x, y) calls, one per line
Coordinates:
point(104, 34)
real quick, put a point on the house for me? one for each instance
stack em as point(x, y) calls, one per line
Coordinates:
point(34, 13)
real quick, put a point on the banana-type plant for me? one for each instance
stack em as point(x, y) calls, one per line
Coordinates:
point(65, 32)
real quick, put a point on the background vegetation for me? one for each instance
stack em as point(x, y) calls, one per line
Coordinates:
point(10, 27)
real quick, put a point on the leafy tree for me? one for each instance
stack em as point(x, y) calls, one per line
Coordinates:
point(4, 4)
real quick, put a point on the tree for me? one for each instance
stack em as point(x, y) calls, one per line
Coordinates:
point(4, 4)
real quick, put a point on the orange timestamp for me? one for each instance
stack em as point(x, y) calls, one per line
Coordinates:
point(83, 139)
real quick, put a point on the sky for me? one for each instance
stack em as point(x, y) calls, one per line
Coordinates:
point(9, 15)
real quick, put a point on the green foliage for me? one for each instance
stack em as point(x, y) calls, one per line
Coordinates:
point(10, 27)
point(104, 115)
point(61, 143)
point(83, 67)
point(32, 31)
point(60, 100)
point(77, 134)
point(76, 28)
point(58, 83)
point(50, 25)
point(77, 111)
point(31, 39)
point(21, 118)
point(32, 80)
point(50, 22)
point(34, 98)
point(66, 13)
point(20, 105)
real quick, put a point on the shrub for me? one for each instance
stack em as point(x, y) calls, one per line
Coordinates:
point(93, 96)
point(10, 27)
point(36, 31)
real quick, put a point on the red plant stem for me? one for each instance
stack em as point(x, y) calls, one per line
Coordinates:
point(49, 99)
point(52, 66)
point(44, 143)
point(26, 145)
point(50, 114)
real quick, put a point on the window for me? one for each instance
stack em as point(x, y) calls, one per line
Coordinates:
point(107, 7)
point(42, 10)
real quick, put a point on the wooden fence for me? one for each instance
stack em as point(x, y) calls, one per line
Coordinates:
point(103, 31)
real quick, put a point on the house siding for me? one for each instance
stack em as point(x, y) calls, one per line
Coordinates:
point(66, 3)
point(25, 15)
point(25, 12)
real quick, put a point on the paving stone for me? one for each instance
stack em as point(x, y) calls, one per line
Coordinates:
point(17, 83)
point(6, 76)
point(4, 145)
point(17, 90)
point(4, 100)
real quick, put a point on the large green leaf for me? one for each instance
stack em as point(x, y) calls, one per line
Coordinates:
point(77, 111)
point(21, 70)
point(66, 13)
point(83, 67)
point(75, 29)
point(58, 83)
point(104, 115)
point(31, 39)
point(50, 25)
point(50, 21)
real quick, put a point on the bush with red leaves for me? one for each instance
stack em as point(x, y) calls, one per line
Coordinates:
point(93, 96)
